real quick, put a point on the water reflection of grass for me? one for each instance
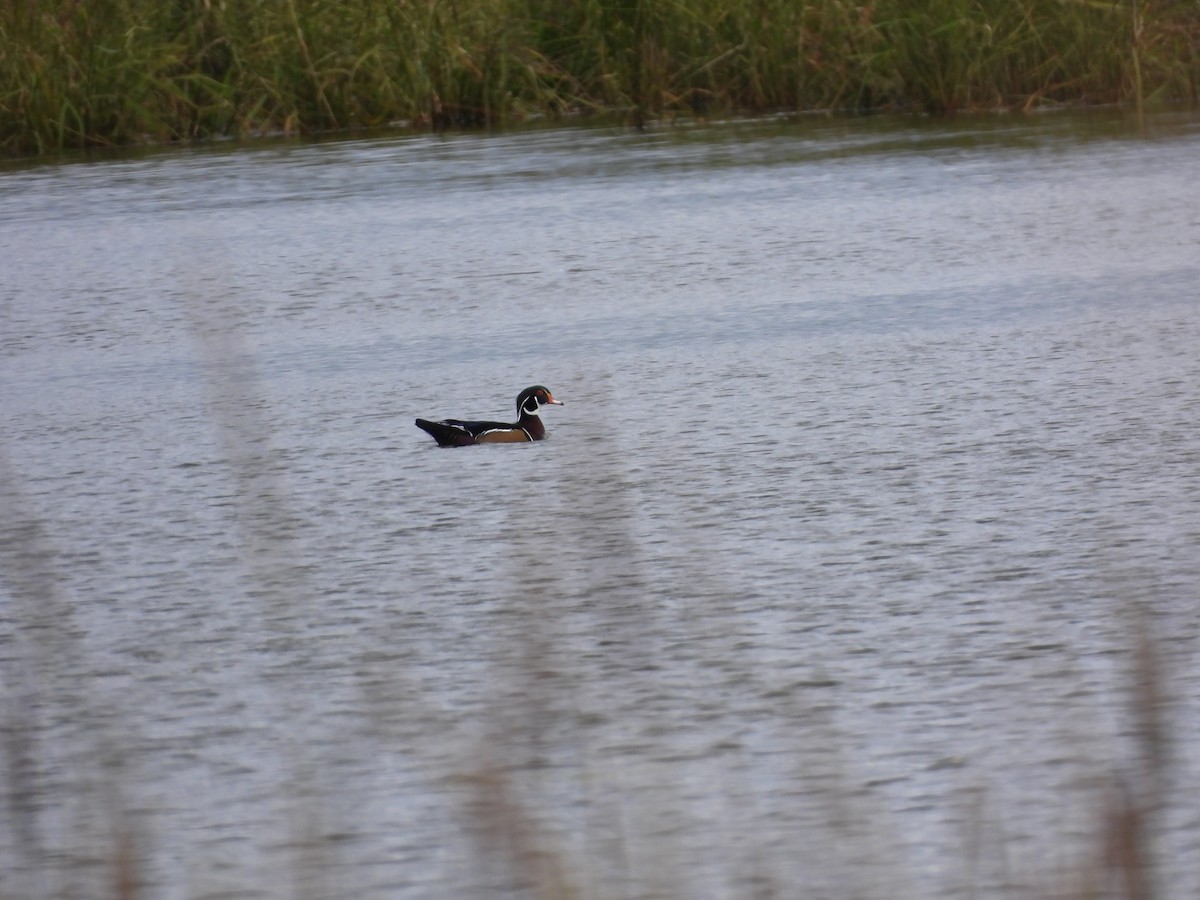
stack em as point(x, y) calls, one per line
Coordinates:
point(79, 74)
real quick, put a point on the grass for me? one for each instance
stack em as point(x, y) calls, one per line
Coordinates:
point(112, 72)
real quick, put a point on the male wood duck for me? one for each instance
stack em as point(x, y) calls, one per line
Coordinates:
point(528, 427)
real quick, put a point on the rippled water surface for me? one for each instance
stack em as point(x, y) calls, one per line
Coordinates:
point(879, 451)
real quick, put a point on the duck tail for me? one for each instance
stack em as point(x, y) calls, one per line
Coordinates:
point(446, 435)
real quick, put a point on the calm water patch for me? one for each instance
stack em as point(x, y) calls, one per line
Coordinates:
point(878, 453)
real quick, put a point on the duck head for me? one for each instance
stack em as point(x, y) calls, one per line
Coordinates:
point(531, 400)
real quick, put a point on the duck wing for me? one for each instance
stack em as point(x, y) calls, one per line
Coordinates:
point(460, 432)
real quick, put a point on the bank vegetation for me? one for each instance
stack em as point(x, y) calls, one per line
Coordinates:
point(77, 73)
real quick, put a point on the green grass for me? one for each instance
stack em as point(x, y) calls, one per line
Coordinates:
point(111, 72)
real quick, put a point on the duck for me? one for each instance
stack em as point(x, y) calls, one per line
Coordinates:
point(528, 427)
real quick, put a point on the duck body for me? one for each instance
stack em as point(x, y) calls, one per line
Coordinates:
point(528, 427)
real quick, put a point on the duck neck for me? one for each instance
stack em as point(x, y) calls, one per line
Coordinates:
point(532, 423)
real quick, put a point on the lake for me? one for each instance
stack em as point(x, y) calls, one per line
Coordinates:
point(862, 559)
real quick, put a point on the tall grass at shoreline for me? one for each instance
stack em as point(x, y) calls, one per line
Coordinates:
point(111, 72)
point(120, 71)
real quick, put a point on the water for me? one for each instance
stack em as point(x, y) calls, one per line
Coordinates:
point(878, 454)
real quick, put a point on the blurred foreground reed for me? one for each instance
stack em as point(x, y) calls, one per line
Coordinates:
point(517, 849)
point(76, 772)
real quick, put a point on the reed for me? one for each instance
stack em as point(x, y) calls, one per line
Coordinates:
point(497, 782)
point(123, 71)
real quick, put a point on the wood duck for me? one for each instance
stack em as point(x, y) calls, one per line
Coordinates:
point(528, 427)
